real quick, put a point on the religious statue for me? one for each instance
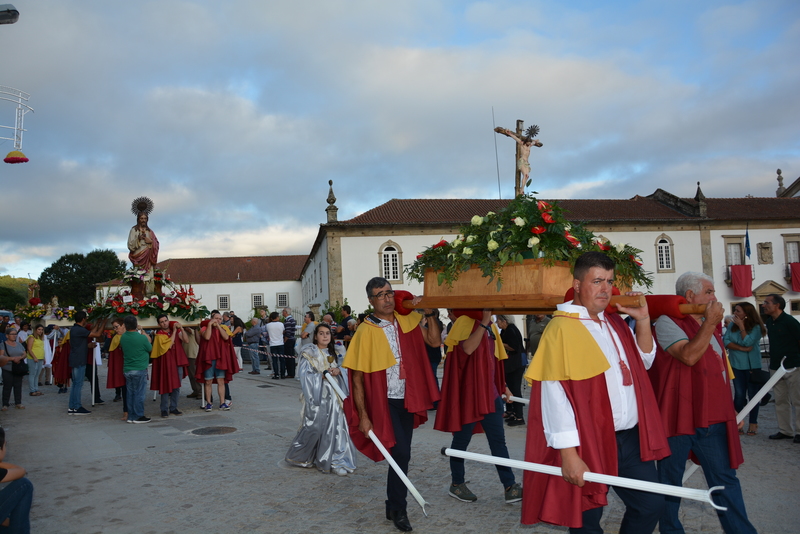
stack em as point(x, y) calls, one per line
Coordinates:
point(524, 144)
point(142, 241)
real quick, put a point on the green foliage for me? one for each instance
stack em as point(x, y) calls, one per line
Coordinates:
point(9, 299)
point(19, 285)
point(72, 277)
point(335, 310)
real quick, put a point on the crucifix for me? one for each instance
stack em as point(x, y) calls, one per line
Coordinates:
point(524, 144)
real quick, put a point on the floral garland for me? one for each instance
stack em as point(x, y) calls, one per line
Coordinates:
point(525, 228)
point(180, 302)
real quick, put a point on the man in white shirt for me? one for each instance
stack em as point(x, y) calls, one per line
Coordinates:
point(598, 411)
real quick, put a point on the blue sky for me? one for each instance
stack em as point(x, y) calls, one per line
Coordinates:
point(233, 116)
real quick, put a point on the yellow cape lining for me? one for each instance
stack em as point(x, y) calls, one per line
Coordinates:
point(369, 350)
point(462, 329)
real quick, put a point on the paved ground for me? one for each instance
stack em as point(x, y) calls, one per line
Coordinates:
point(97, 474)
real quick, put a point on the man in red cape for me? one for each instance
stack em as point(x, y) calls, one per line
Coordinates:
point(472, 385)
point(216, 359)
point(392, 385)
point(170, 364)
point(592, 409)
point(692, 381)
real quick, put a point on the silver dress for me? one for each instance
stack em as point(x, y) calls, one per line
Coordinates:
point(323, 439)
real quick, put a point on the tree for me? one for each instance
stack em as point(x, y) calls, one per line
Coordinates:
point(10, 298)
point(73, 276)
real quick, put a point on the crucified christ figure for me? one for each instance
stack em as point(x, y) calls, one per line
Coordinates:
point(525, 143)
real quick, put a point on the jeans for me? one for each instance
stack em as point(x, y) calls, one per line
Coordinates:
point(642, 509)
point(169, 401)
point(743, 389)
point(78, 376)
point(136, 382)
point(15, 504)
point(252, 350)
point(711, 447)
point(492, 424)
point(34, 368)
point(278, 361)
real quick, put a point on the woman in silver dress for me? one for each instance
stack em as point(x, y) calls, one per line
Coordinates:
point(323, 439)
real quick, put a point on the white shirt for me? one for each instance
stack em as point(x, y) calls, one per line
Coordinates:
point(558, 416)
point(395, 386)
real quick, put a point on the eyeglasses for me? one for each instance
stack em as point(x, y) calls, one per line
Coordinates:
point(384, 295)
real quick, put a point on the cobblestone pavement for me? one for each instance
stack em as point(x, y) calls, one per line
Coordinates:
point(97, 474)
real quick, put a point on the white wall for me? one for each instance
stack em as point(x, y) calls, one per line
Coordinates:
point(314, 290)
point(241, 295)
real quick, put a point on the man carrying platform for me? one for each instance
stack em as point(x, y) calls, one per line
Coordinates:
point(392, 386)
point(170, 364)
point(597, 412)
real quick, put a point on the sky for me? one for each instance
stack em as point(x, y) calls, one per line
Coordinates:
point(233, 116)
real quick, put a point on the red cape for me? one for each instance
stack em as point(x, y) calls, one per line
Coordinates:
point(115, 379)
point(217, 349)
point(554, 500)
point(468, 392)
point(61, 369)
point(421, 393)
point(165, 367)
point(684, 396)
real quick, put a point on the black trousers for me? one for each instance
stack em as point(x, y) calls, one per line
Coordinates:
point(514, 383)
point(642, 509)
point(403, 426)
point(288, 351)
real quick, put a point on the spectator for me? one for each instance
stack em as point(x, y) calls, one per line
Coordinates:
point(784, 341)
point(80, 345)
point(275, 332)
point(742, 339)
point(251, 338)
point(514, 366)
point(23, 333)
point(15, 353)
point(16, 497)
point(35, 347)
point(289, 340)
point(535, 326)
point(309, 324)
point(237, 332)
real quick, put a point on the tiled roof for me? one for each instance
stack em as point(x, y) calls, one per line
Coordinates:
point(239, 269)
point(638, 208)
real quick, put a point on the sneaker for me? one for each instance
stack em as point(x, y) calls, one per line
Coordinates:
point(462, 493)
point(164, 414)
point(513, 494)
point(118, 398)
point(341, 471)
point(224, 407)
point(766, 399)
point(516, 422)
point(99, 401)
point(176, 412)
point(208, 407)
point(81, 411)
point(142, 419)
point(70, 411)
point(229, 402)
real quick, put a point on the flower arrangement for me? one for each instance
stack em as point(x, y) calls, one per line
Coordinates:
point(525, 228)
point(180, 302)
point(30, 313)
point(137, 274)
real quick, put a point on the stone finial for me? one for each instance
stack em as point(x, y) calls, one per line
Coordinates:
point(331, 210)
point(701, 202)
point(780, 189)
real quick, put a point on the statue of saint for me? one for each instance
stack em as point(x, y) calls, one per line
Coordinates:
point(525, 143)
point(142, 241)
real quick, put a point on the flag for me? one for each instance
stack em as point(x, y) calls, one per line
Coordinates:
point(747, 241)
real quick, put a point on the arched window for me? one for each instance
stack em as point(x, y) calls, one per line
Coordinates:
point(390, 257)
point(665, 259)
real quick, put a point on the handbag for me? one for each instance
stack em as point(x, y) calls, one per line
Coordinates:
point(17, 368)
point(759, 376)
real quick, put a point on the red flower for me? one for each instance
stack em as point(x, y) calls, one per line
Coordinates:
point(634, 260)
point(546, 217)
point(120, 309)
point(542, 205)
point(34, 301)
point(604, 246)
point(440, 244)
point(135, 312)
point(538, 230)
point(572, 239)
point(419, 256)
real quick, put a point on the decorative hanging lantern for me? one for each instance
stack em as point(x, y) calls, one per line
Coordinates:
point(15, 156)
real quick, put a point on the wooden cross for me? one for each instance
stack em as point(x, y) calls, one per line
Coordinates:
point(524, 143)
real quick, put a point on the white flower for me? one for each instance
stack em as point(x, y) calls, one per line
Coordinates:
point(492, 245)
point(519, 221)
point(567, 227)
point(597, 240)
point(477, 220)
point(533, 242)
point(489, 214)
point(165, 306)
point(467, 251)
point(457, 242)
point(620, 247)
point(471, 239)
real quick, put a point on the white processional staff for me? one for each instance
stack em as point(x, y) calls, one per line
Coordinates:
point(403, 477)
point(517, 399)
point(335, 386)
point(652, 487)
point(749, 407)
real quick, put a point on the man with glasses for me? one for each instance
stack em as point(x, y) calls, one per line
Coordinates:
point(784, 341)
point(392, 386)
